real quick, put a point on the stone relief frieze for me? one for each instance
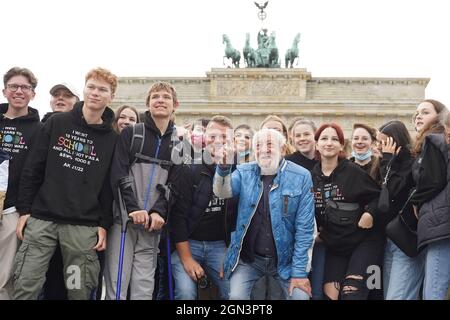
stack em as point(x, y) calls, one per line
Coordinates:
point(258, 88)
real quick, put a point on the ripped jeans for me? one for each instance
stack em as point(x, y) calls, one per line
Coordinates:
point(357, 273)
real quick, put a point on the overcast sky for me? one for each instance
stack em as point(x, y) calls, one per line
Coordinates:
point(62, 40)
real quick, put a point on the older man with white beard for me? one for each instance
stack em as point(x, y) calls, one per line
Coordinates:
point(275, 227)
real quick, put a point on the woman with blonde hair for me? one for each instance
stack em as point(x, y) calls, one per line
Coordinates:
point(302, 133)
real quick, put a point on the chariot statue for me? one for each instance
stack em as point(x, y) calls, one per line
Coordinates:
point(266, 55)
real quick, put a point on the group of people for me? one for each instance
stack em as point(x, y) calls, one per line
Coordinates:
point(294, 212)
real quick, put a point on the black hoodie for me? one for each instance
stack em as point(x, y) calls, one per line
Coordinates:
point(16, 138)
point(48, 115)
point(65, 179)
point(156, 145)
point(347, 183)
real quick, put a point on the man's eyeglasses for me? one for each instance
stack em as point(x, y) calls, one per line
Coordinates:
point(24, 87)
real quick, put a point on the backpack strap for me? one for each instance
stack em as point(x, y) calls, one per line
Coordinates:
point(137, 141)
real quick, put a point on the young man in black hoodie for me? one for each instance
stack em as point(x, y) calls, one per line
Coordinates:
point(65, 188)
point(19, 124)
point(144, 201)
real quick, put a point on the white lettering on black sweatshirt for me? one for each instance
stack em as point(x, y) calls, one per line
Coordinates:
point(16, 138)
point(66, 177)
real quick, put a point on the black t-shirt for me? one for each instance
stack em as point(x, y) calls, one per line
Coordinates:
point(259, 237)
point(211, 226)
point(265, 243)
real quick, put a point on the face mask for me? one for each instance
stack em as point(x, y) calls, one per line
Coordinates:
point(243, 154)
point(362, 156)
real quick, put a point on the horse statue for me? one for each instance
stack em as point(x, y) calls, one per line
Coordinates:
point(273, 52)
point(292, 53)
point(249, 53)
point(230, 52)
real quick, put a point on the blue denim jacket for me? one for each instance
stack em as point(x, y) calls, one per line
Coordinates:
point(291, 209)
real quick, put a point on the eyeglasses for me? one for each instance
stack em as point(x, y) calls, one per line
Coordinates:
point(24, 87)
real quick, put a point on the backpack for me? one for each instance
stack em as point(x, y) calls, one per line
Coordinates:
point(137, 141)
point(136, 147)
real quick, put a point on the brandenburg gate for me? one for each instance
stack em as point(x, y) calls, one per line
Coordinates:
point(262, 87)
point(248, 95)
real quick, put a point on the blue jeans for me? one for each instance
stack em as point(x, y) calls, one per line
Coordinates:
point(437, 270)
point(267, 288)
point(245, 276)
point(210, 255)
point(317, 270)
point(402, 275)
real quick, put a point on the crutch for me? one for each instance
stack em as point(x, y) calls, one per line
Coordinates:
point(124, 183)
point(169, 264)
point(168, 190)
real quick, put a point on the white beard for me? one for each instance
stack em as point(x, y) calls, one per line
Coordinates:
point(269, 167)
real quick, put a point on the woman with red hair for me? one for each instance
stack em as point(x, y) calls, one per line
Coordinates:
point(346, 201)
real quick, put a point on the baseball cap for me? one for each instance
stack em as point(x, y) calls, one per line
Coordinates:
point(66, 86)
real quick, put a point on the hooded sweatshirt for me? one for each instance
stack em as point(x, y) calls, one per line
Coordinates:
point(347, 183)
point(16, 138)
point(65, 179)
point(48, 115)
point(156, 146)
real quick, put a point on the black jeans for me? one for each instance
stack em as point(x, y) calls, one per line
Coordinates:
point(365, 261)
